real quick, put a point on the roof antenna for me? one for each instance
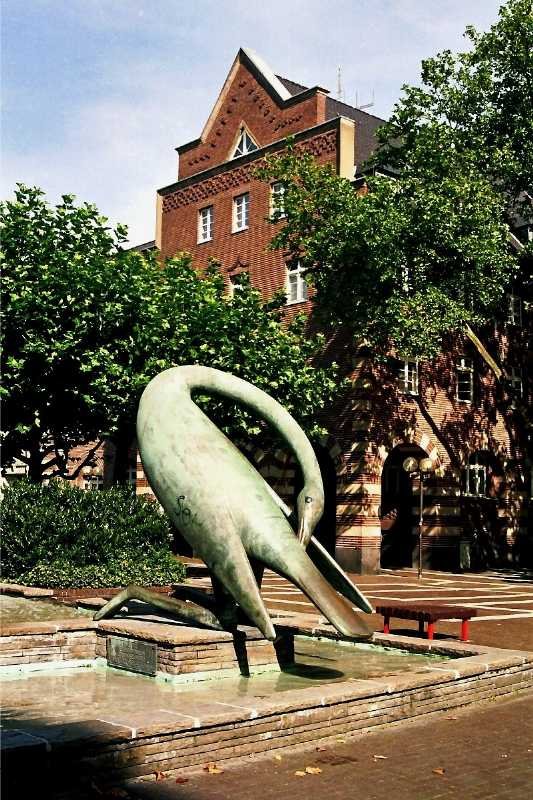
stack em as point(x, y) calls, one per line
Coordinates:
point(340, 90)
point(365, 105)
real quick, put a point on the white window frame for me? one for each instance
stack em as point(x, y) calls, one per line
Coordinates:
point(94, 482)
point(205, 224)
point(245, 144)
point(464, 369)
point(516, 382)
point(476, 477)
point(132, 474)
point(296, 287)
point(241, 212)
point(408, 376)
point(514, 310)
point(277, 194)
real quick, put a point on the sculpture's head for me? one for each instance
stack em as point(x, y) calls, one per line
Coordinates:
point(310, 506)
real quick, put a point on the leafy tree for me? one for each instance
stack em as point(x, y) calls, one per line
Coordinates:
point(87, 325)
point(475, 105)
point(69, 298)
point(422, 250)
point(187, 318)
point(403, 263)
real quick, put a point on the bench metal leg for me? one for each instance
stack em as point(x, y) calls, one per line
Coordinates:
point(386, 624)
point(421, 627)
point(431, 630)
point(464, 630)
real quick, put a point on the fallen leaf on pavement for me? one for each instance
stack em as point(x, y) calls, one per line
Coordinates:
point(212, 769)
point(313, 770)
point(300, 773)
point(179, 779)
point(439, 771)
point(160, 776)
point(379, 757)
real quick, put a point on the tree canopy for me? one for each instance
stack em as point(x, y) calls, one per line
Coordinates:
point(473, 107)
point(86, 325)
point(421, 250)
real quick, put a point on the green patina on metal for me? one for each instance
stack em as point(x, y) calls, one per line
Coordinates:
point(228, 513)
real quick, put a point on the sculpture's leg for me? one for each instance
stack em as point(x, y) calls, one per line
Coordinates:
point(205, 599)
point(236, 576)
point(258, 570)
point(227, 608)
point(187, 611)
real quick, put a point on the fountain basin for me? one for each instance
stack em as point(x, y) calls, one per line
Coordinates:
point(93, 722)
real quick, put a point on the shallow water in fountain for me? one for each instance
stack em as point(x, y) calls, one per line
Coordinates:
point(104, 693)
point(15, 610)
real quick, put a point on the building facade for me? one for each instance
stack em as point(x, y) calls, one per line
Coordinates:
point(477, 493)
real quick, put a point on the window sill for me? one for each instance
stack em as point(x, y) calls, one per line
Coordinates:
point(296, 302)
point(239, 230)
point(204, 241)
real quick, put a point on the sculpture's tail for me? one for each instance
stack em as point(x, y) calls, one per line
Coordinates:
point(291, 561)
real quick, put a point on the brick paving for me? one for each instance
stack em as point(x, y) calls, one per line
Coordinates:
point(503, 601)
point(479, 753)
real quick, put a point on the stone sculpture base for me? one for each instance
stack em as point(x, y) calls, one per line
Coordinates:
point(173, 651)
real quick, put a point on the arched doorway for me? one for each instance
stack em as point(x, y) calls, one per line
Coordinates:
point(396, 511)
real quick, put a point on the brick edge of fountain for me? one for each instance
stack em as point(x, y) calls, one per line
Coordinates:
point(113, 751)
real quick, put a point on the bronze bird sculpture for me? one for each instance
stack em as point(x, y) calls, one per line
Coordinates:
point(228, 513)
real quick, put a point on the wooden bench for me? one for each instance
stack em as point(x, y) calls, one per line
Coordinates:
point(426, 613)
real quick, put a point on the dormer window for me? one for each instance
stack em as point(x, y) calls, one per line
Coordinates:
point(245, 144)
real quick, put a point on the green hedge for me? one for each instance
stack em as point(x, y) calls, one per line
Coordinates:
point(62, 536)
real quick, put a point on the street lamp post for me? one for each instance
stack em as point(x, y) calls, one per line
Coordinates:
point(420, 469)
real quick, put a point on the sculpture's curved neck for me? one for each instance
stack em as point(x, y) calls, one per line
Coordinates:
point(213, 381)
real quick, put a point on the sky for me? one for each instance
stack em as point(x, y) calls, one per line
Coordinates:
point(98, 93)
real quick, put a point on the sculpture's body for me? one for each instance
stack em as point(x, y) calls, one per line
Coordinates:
point(224, 508)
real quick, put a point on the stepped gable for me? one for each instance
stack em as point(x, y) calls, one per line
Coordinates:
point(255, 100)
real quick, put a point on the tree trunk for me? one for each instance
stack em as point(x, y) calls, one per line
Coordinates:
point(121, 462)
point(35, 464)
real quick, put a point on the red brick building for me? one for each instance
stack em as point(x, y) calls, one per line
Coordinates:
point(452, 412)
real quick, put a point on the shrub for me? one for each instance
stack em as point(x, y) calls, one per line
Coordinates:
point(154, 568)
point(61, 533)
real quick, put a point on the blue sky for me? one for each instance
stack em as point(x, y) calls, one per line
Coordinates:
point(97, 93)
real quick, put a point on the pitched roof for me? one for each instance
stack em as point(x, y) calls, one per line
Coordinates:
point(291, 86)
point(367, 124)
